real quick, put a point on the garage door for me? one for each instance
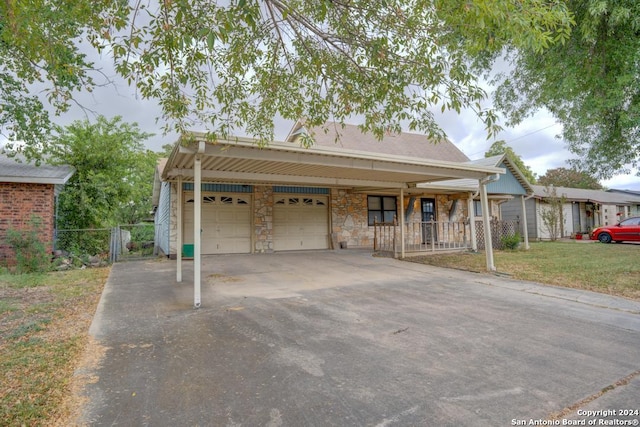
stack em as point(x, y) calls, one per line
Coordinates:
point(300, 222)
point(226, 223)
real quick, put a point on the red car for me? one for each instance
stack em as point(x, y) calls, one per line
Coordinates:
point(627, 230)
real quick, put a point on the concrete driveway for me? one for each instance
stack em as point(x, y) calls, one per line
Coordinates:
point(346, 339)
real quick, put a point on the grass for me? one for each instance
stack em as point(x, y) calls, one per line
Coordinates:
point(607, 268)
point(44, 319)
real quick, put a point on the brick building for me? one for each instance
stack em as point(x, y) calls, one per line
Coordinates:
point(28, 191)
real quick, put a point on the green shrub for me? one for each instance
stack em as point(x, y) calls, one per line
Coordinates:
point(84, 242)
point(511, 242)
point(31, 252)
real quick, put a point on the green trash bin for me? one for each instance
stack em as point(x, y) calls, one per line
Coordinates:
point(187, 251)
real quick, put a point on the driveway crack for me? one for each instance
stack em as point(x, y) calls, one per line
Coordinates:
point(571, 409)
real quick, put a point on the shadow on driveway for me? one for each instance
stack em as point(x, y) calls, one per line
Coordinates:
point(345, 339)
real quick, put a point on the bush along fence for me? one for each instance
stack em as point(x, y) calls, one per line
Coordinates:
point(502, 234)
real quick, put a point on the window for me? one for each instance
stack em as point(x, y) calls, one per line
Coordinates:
point(477, 208)
point(381, 208)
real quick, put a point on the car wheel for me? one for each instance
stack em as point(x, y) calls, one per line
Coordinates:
point(604, 237)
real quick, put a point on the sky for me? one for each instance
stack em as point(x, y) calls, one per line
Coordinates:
point(534, 140)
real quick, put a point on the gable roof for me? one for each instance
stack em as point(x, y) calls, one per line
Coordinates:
point(631, 192)
point(405, 144)
point(512, 182)
point(26, 172)
point(582, 195)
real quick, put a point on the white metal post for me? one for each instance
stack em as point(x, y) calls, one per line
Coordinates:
point(179, 231)
point(525, 232)
point(402, 222)
point(197, 226)
point(472, 223)
point(488, 243)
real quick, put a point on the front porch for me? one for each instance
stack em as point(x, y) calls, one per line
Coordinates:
point(436, 236)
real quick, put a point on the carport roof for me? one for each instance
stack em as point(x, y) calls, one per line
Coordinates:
point(242, 160)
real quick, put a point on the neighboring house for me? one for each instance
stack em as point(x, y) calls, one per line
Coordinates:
point(28, 191)
point(582, 210)
point(634, 208)
point(249, 199)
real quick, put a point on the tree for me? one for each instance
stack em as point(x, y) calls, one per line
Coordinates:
point(589, 83)
point(237, 64)
point(166, 150)
point(571, 178)
point(551, 213)
point(499, 148)
point(112, 182)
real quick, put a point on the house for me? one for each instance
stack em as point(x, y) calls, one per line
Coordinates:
point(510, 186)
point(347, 190)
point(634, 208)
point(28, 191)
point(582, 210)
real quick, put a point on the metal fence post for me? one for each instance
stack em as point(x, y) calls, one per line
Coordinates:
point(114, 245)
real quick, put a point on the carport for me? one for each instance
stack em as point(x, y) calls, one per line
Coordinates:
point(198, 160)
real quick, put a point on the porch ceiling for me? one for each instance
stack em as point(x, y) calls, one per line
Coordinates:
point(242, 161)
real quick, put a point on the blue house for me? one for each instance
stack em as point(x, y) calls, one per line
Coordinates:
point(510, 188)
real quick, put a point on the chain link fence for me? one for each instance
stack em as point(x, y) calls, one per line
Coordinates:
point(100, 245)
point(133, 241)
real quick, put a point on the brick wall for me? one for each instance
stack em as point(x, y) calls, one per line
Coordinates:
point(18, 203)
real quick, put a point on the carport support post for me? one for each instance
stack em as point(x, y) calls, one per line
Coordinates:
point(197, 226)
point(525, 232)
point(179, 231)
point(488, 242)
point(472, 223)
point(402, 223)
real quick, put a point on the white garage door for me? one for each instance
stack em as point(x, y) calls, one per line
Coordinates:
point(226, 223)
point(300, 222)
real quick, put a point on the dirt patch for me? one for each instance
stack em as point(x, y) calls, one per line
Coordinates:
point(222, 278)
point(85, 374)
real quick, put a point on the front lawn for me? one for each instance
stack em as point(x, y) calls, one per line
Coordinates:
point(44, 323)
point(608, 268)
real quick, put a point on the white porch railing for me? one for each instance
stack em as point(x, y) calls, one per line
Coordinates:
point(421, 236)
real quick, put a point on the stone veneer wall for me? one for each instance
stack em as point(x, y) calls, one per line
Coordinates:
point(349, 215)
point(349, 218)
point(18, 203)
point(263, 218)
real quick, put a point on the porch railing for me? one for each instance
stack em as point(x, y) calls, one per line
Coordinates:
point(421, 236)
